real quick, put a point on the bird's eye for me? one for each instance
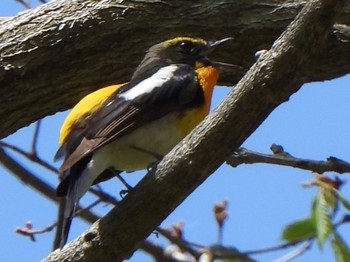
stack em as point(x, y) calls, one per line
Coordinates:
point(185, 46)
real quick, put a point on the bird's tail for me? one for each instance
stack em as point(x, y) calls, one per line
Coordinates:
point(69, 210)
point(77, 186)
point(75, 183)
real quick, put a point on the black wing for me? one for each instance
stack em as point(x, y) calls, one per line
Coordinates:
point(124, 112)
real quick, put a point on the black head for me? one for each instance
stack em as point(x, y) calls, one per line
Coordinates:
point(182, 50)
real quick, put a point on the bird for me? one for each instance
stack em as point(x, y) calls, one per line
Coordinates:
point(127, 127)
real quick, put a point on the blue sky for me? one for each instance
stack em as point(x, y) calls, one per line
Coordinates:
point(262, 198)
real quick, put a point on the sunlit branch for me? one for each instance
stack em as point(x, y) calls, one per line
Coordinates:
point(280, 157)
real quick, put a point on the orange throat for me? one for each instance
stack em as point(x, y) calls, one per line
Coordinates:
point(208, 76)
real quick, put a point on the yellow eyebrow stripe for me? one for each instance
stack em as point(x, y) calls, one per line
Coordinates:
point(182, 38)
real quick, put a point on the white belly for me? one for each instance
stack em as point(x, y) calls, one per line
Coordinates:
point(139, 149)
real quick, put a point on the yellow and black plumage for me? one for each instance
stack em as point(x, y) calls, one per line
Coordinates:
point(128, 126)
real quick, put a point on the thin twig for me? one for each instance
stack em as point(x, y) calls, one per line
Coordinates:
point(31, 157)
point(82, 210)
point(156, 251)
point(246, 156)
point(343, 220)
point(219, 251)
point(99, 193)
point(30, 232)
point(26, 176)
point(105, 197)
point(32, 180)
point(220, 213)
point(275, 248)
point(24, 3)
point(35, 138)
point(295, 253)
point(183, 244)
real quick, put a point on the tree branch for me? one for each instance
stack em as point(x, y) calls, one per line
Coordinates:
point(156, 251)
point(295, 253)
point(35, 138)
point(84, 212)
point(246, 156)
point(32, 180)
point(275, 76)
point(30, 156)
point(24, 3)
point(26, 176)
point(57, 53)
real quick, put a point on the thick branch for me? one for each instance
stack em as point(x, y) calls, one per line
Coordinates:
point(246, 156)
point(53, 55)
point(115, 237)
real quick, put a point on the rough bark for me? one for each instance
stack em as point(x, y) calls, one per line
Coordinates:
point(278, 74)
point(53, 55)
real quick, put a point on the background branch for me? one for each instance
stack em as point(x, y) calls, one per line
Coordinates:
point(24, 3)
point(55, 71)
point(26, 176)
point(35, 182)
point(295, 253)
point(32, 156)
point(84, 212)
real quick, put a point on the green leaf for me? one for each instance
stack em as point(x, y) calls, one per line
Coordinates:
point(299, 230)
point(340, 248)
point(343, 200)
point(322, 219)
point(329, 196)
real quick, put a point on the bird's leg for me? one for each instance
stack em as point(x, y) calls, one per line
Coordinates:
point(151, 166)
point(116, 173)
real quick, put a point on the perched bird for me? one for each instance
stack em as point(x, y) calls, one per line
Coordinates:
point(127, 127)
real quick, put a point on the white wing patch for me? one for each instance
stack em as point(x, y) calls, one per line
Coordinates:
point(148, 85)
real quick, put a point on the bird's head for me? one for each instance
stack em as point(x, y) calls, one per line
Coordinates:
point(184, 50)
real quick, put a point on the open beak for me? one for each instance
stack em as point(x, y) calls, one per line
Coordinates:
point(211, 47)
